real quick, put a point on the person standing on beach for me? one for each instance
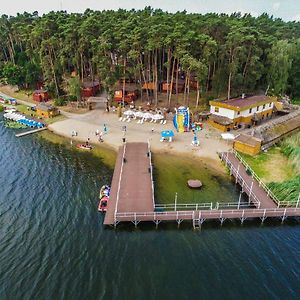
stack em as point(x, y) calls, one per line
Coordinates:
point(100, 137)
point(105, 129)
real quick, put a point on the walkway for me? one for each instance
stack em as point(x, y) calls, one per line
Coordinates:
point(131, 204)
point(257, 192)
point(132, 187)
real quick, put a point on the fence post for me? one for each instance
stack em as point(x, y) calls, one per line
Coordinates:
point(239, 200)
point(298, 201)
point(250, 192)
point(175, 200)
point(197, 206)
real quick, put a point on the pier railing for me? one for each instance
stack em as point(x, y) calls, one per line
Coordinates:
point(207, 214)
point(120, 178)
point(200, 206)
point(245, 187)
point(257, 178)
point(151, 172)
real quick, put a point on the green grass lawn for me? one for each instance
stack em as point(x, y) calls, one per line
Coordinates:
point(279, 168)
point(271, 166)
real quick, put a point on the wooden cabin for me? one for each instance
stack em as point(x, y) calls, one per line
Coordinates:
point(240, 112)
point(46, 111)
point(90, 89)
point(130, 96)
point(151, 86)
point(40, 96)
point(247, 144)
point(167, 86)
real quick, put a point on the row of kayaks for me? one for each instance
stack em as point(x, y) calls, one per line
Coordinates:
point(103, 198)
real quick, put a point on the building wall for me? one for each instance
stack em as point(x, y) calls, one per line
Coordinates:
point(223, 128)
point(247, 149)
point(42, 113)
point(224, 112)
point(254, 110)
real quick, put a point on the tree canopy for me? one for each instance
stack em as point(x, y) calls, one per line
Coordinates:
point(224, 54)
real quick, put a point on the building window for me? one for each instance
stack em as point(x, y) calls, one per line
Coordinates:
point(267, 114)
point(264, 106)
point(257, 108)
point(250, 110)
point(216, 109)
point(270, 104)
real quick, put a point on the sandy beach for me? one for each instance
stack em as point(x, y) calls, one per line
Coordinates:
point(87, 124)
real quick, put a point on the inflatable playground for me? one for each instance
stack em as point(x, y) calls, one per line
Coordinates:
point(181, 119)
point(182, 122)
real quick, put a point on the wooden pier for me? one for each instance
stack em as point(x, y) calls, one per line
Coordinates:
point(30, 132)
point(132, 194)
point(132, 184)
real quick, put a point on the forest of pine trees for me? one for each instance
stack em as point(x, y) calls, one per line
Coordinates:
point(226, 55)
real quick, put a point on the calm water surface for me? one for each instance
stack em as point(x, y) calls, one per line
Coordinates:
point(53, 246)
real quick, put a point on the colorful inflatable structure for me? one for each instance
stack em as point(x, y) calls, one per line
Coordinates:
point(182, 119)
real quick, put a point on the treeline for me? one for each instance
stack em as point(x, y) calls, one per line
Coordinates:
point(225, 54)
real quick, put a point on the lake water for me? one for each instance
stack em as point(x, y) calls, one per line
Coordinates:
point(53, 244)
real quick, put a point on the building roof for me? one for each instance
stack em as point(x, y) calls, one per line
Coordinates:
point(90, 84)
point(247, 139)
point(240, 104)
point(221, 120)
point(39, 91)
point(45, 107)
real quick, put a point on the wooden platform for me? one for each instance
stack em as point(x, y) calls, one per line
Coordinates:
point(131, 188)
point(255, 191)
point(30, 132)
point(132, 194)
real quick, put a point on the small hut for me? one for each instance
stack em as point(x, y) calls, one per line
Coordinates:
point(90, 89)
point(46, 111)
point(40, 96)
point(130, 95)
point(167, 86)
point(247, 144)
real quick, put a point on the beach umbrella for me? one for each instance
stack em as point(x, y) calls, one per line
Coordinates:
point(147, 116)
point(139, 114)
point(227, 136)
point(158, 117)
point(128, 113)
point(167, 133)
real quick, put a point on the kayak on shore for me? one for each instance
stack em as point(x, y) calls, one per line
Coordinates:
point(84, 147)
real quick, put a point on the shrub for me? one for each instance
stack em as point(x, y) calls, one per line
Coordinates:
point(60, 102)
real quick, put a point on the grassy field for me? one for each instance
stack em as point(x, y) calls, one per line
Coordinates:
point(271, 166)
point(280, 168)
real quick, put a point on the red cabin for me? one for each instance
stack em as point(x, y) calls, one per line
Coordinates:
point(90, 89)
point(167, 86)
point(40, 96)
point(130, 96)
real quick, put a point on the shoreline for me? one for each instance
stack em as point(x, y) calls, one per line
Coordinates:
point(87, 124)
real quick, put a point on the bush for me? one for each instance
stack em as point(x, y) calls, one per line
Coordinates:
point(1, 108)
point(60, 102)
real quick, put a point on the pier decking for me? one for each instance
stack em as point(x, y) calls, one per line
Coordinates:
point(30, 132)
point(132, 194)
point(132, 186)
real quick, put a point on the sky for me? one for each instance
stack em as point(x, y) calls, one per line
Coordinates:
point(288, 10)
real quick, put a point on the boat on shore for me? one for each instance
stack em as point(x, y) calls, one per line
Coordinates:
point(104, 198)
point(84, 147)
